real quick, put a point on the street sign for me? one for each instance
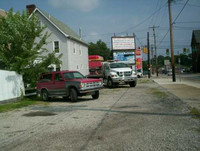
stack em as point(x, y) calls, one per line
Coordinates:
point(166, 62)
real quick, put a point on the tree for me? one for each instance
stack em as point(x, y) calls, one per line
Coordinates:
point(100, 48)
point(18, 50)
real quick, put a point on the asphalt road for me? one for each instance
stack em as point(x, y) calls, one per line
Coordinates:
point(144, 118)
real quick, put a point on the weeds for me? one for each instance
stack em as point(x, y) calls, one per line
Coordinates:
point(158, 93)
point(143, 81)
point(195, 112)
point(20, 104)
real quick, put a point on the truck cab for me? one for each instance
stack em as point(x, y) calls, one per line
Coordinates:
point(67, 84)
point(115, 73)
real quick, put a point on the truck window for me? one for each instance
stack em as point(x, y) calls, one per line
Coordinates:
point(57, 77)
point(73, 75)
point(45, 78)
point(118, 65)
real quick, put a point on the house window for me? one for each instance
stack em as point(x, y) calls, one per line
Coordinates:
point(74, 48)
point(39, 23)
point(56, 46)
point(80, 52)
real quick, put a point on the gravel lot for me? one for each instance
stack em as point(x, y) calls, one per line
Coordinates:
point(144, 118)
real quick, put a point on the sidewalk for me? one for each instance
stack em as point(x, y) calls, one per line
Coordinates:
point(187, 90)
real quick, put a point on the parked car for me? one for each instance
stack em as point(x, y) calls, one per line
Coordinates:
point(139, 73)
point(169, 73)
point(67, 84)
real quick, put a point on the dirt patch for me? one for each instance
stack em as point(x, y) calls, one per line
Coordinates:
point(39, 113)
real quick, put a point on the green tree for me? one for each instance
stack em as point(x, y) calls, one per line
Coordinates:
point(100, 48)
point(18, 48)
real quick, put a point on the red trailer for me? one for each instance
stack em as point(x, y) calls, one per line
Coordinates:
point(95, 65)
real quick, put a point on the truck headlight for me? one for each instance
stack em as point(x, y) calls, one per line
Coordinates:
point(82, 85)
point(134, 73)
point(113, 74)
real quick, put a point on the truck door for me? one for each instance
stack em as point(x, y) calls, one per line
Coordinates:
point(107, 70)
point(58, 87)
point(45, 82)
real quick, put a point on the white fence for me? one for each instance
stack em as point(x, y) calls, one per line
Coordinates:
point(11, 85)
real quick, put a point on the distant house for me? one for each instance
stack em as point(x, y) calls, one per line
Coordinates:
point(195, 44)
point(3, 13)
point(63, 40)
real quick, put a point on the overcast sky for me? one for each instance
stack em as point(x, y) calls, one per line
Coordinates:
point(100, 19)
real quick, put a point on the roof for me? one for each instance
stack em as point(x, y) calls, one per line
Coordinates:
point(66, 30)
point(95, 58)
point(3, 13)
point(196, 36)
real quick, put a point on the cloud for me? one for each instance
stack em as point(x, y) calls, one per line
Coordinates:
point(81, 5)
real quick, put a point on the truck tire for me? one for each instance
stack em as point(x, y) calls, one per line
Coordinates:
point(133, 84)
point(73, 95)
point(96, 95)
point(110, 83)
point(45, 95)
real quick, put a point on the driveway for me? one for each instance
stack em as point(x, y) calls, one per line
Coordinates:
point(147, 117)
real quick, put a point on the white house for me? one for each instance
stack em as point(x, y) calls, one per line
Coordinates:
point(64, 41)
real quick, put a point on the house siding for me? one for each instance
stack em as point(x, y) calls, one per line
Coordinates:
point(70, 61)
point(78, 60)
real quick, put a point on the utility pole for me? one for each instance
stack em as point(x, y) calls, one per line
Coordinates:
point(154, 35)
point(148, 52)
point(152, 71)
point(171, 42)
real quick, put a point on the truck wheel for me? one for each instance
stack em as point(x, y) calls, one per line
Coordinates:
point(73, 95)
point(45, 95)
point(133, 84)
point(96, 95)
point(110, 83)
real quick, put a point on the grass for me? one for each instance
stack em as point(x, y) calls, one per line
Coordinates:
point(158, 93)
point(24, 102)
point(143, 81)
point(195, 112)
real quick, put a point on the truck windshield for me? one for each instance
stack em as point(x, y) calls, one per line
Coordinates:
point(118, 65)
point(73, 75)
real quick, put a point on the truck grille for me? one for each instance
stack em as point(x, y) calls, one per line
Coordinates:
point(126, 73)
point(92, 84)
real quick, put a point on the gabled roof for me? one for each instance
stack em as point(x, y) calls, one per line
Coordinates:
point(63, 28)
point(196, 36)
point(3, 13)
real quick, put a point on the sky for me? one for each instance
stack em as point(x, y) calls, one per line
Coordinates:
point(101, 19)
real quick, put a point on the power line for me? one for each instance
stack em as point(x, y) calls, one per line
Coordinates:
point(143, 20)
point(174, 21)
point(188, 22)
point(188, 4)
point(138, 40)
point(105, 34)
point(180, 12)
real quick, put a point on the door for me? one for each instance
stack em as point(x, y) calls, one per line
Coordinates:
point(58, 87)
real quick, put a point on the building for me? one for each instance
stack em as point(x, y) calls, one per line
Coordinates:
point(64, 41)
point(195, 44)
point(3, 13)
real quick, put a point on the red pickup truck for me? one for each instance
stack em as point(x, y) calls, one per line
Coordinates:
point(67, 84)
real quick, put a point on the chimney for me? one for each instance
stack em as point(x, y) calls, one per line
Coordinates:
point(80, 33)
point(30, 8)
